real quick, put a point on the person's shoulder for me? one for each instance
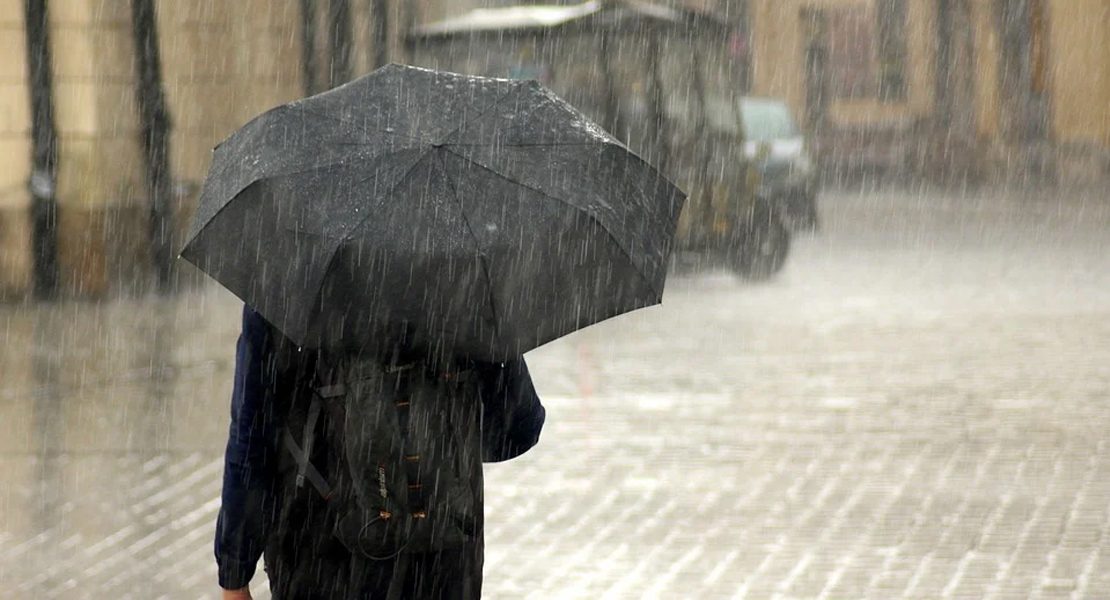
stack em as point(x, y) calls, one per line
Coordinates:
point(255, 326)
point(252, 316)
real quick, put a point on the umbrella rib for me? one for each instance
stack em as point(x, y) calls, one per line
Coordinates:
point(481, 255)
point(536, 145)
point(342, 121)
point(497, 102)
point(266, 178)
point(628, 254)
point(492, 105)
point(331, 259)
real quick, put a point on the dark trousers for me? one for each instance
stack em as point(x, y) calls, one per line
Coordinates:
point(328, 572)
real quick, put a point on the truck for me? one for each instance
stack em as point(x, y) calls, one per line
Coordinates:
point(664, 81)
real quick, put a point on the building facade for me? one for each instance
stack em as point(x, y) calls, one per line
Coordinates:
point(998, 87)
point(221, 64)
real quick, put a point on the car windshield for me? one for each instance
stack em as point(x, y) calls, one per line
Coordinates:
point(767, 120)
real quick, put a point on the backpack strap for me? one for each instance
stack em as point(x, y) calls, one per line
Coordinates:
point(305, 469)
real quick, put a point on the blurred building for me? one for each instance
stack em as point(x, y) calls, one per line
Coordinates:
point(949, 87)
point(978, 88)
point(222, 62)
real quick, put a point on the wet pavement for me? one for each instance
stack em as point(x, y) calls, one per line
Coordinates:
point(916, 408)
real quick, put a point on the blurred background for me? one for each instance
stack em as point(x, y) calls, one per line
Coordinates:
point(111, 113)
point(880, 371)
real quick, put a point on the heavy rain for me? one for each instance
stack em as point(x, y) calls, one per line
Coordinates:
point(878, 230)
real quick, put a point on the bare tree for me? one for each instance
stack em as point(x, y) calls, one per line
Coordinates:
point(44, 150)
point(342, 43)
point(309, 70)
point(380, 14)
point(155, 124)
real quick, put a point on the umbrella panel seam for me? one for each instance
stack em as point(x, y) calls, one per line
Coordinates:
point(350, 123)
point(318, 297)
point(492, 105)
point(200, 226)
point(477, 245)
point(538, 145)
point(302, 106)
point(588, 213)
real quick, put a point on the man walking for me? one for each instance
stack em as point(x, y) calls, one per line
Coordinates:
point(311, 550)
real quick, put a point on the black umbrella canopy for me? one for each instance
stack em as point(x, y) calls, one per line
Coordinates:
point(483, 216)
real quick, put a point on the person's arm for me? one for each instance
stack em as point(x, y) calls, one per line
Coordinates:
point(241, 525)
point(240, 594)
point(513, 415)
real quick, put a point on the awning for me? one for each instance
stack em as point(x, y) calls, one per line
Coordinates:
point(540, 18)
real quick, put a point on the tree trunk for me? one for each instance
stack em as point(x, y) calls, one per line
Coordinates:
point(44, 151)
point(659, 125)
point(309, 71)
point(155, 124)
point(380, 14)
point(943, 82)
point(612, 101)
point(339, 21)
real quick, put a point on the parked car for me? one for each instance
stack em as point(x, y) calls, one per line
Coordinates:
point(788, 177)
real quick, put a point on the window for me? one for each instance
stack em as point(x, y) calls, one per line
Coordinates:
point(767, 120)
point(851, 72)
point(866, 50)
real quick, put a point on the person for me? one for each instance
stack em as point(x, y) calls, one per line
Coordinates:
point(303, 558)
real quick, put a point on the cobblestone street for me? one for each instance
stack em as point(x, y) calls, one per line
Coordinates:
point(916, 408)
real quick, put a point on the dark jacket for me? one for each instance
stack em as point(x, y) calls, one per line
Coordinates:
point(512, 419)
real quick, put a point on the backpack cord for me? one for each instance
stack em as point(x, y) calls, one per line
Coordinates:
point(305, 469)
point(400, 551)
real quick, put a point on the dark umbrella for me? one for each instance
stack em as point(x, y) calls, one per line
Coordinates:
point(482, 214)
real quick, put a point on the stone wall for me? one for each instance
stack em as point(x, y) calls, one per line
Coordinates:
point(100, 174)
point(1078, 55)
point(1079, 64)
point(15, 148)
point(223, 62)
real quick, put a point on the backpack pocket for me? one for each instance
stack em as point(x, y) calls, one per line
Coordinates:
point(408, 438)
point(380, 535)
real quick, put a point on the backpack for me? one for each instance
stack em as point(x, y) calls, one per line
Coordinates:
point(386, 457)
